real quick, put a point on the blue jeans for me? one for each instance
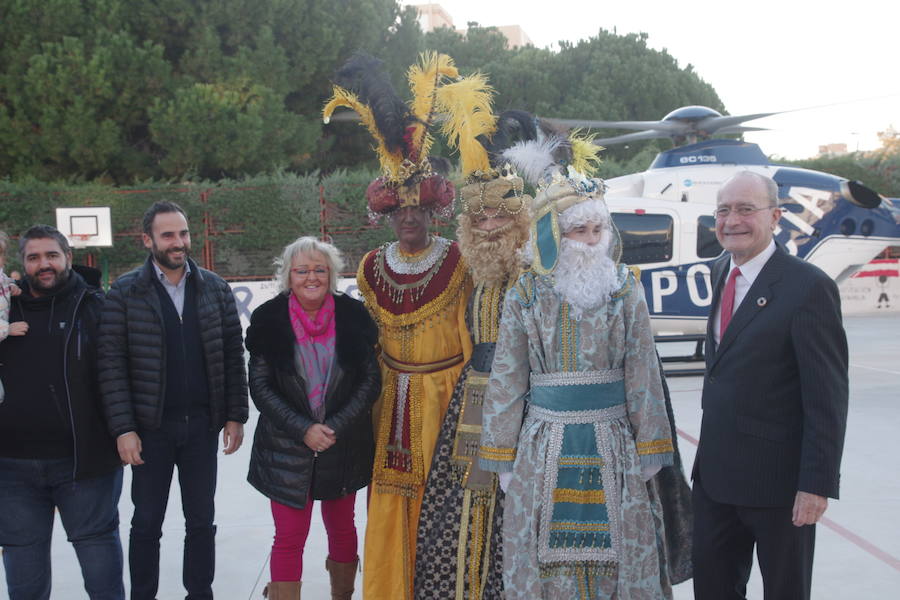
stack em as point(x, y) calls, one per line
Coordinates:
point(30, 489)
point(191, 446)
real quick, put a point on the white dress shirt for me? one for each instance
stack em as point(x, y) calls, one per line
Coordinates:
point(175, 290)
point(749, 272)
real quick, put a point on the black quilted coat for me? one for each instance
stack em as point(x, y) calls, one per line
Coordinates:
point(94, 450)
point(282, 467)
point(132, 351)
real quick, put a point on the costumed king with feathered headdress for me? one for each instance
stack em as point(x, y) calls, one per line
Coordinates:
point(458, 552)
point(415, 289)
point(574, 418)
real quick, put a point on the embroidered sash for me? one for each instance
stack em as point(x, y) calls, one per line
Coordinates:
point(468, 435)
point(399, 467)
point(580, 516)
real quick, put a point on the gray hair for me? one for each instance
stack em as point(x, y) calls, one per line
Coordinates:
point(768, 183)
point(307, 245)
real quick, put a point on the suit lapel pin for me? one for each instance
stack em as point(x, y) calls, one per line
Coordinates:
point(761, 301)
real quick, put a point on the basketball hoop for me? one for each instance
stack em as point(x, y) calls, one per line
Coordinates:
point(80, 240)
point(85, 226)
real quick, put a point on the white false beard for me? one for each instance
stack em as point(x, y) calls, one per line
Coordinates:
point(585, 276)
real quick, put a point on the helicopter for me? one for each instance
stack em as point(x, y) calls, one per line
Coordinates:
point(665, 214)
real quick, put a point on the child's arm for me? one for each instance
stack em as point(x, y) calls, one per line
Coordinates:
point(4, 307)
point(7, 290)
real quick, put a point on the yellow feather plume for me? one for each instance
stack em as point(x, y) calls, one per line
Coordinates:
point(466, 105)
point(390, 161)
point(585, 153)
point(424, 78)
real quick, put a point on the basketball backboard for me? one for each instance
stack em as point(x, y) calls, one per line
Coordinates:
point(85, 225)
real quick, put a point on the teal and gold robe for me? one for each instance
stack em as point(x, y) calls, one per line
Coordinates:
point(575, 409)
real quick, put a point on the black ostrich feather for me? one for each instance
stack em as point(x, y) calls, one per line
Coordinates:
point(512, 126)
point(364, 75)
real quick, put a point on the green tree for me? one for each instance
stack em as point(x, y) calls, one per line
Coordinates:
point(222, 130)
point(123, 91)
point(134, 90)
point(606, 77)
point(65, 108)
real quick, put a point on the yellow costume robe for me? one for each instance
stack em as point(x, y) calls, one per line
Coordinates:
point(424, 345)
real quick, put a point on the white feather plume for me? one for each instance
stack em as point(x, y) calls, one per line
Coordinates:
point(533, 159)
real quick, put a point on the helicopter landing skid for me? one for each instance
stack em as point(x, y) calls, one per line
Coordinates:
point(697, 356)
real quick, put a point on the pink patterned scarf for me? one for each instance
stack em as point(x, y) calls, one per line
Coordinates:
point(315, 339)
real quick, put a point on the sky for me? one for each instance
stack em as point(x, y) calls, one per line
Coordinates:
point(834, 69)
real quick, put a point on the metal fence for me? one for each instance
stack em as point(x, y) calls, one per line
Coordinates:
point(235, 231)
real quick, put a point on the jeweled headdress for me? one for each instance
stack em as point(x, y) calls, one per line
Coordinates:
point(400, 130)
point(561, 169)
point(492, 181)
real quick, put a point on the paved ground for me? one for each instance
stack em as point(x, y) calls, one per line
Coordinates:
point(858, 548)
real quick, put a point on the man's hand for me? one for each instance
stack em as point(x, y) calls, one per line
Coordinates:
point(232, 436)
point(14, 290)
point(808, 509)
point(129, 446)
point(18, 328)
point(319, 437)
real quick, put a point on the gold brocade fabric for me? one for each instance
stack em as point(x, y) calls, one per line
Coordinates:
point(458, 554)
point(479, 499)
point(486, 306)
point(413, 405)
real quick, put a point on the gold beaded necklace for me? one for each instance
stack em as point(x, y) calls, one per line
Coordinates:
point(417, 288)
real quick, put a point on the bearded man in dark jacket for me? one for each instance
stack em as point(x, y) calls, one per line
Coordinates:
point(172, 376)
point(55, 452)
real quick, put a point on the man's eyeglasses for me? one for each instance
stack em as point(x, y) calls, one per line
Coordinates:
point(744, 210)
point(304, 272)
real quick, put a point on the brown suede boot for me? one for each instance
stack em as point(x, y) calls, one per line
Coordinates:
point(343, 576)
point(282, 590)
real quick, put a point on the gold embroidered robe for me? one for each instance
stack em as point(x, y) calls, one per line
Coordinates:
point(424, 345)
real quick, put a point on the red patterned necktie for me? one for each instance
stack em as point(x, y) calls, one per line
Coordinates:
point(727, 302)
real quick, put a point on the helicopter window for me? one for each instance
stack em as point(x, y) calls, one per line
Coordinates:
point(707, 244)
point(867, 227)
point(646, 238)
point(848, 227)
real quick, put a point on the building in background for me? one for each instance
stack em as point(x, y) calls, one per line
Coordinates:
point(515, 36)
point(433, 16)
point(832, 150)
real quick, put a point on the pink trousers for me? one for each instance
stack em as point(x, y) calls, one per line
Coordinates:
point(292, 529)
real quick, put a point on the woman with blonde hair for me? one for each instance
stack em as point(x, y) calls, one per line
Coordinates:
point(314, 378)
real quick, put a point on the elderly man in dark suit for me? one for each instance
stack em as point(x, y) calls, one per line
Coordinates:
point(774, 405)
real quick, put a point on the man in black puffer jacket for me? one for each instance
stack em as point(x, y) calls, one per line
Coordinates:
point(55, 453)
point(172, 375)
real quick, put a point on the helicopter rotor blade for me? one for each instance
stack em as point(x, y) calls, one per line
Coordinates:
point(345, 116)
point(714, 124)
point(351, 116)
point(632, 137)
point(638, 125)
point(741, 129)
